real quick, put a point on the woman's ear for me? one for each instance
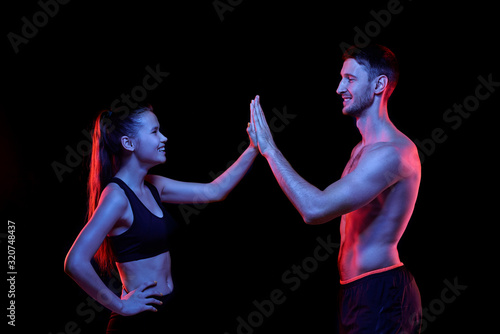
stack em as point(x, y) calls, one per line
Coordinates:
point(381, 84)
point(127, 143)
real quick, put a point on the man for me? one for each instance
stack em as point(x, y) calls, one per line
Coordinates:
point(375, 197)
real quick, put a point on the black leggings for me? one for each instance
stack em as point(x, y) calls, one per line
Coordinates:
point(162, 321)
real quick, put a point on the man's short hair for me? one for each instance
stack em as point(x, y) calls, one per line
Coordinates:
point(378, 60)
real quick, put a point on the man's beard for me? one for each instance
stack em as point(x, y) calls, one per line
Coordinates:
point(357, 107)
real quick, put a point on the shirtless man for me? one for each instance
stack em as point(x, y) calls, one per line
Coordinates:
point(375, 198)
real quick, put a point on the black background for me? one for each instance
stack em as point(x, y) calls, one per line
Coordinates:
point(231, 253)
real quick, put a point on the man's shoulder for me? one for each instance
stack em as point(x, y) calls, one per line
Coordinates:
point(399, 145)
point(395, 152)
point(383, 152)
point(384, 148)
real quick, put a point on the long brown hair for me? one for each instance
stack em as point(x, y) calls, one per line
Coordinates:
point(105, 162)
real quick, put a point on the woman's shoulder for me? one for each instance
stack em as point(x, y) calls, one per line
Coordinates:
point(114, 195)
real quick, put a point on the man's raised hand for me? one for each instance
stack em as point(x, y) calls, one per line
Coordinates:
point(260, 128)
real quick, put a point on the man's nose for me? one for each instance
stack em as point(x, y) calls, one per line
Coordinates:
point(341, 88)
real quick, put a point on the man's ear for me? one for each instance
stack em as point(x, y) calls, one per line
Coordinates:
point(127, 143)
point(381, 84)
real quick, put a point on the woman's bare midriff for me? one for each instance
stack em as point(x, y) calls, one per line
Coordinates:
point(157, 268)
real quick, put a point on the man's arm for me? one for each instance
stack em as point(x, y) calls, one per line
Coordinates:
point(376, 171)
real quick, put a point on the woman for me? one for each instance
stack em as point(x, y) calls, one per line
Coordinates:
point(128, 226)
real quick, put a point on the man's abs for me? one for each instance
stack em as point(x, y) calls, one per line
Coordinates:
point(367, 244)
point(356, 261)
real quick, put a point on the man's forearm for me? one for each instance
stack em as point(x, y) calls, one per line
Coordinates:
point(300, 192)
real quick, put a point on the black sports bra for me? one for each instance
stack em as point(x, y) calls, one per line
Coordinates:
point(148, 235)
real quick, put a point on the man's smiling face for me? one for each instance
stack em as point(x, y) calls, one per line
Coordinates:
point(355, 88)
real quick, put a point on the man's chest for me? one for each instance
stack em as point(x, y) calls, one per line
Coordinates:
point(353, 161)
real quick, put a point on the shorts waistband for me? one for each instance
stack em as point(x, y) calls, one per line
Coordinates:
point(372, 272)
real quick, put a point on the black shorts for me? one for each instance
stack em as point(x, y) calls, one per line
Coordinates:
point(386, 302)
point(162, 321)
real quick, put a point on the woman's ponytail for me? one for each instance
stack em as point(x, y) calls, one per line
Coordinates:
point(103, 165)
point(109, 127)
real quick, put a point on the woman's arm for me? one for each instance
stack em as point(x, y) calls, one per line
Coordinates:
point(112, 206)
point(173, 191)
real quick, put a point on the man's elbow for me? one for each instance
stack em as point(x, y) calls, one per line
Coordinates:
point(313, 220)
point(309, 220)
point(316, 216)
point(312, 217)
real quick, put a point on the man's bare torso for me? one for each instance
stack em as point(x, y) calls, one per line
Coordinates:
point(369, 235)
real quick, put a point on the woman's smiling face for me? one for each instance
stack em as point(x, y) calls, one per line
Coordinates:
point(150, 141)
